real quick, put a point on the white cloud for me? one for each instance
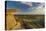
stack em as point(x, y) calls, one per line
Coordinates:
point(28, 3)
point(38, 11)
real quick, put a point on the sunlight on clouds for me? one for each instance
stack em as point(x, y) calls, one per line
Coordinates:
point(38, 11)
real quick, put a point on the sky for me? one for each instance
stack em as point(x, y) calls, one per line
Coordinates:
point(29, 7)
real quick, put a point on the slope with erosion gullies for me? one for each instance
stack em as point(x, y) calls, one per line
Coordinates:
point(31, 21)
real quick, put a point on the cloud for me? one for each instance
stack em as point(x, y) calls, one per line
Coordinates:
point(27, 3)
point(38, 11)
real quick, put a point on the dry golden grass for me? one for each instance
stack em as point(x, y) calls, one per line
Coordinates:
point(11, 21)
point(10, 11)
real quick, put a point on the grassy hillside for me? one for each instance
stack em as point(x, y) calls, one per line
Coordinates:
point(23, 21)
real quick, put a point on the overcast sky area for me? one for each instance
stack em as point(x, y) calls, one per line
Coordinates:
point(26, 7)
